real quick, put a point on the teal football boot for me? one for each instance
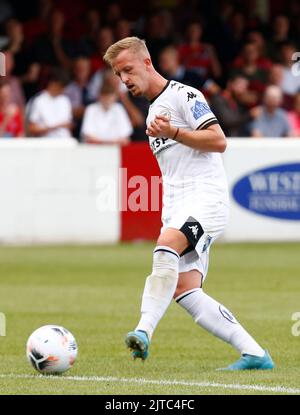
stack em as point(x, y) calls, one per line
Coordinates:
point(249, 362)
point(138, 342)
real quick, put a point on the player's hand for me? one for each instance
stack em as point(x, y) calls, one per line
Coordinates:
point(161, 127)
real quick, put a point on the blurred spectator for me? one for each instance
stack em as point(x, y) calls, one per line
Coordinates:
point(24, 67)
point(113, 13)
point(38, 25)
point(159, 34)
point(106, 121)
point(136, 107)
point(194, 54)
point(256, 37)
point(276, 78)
point(122, 29)
point(11, 119)
point(280, 34)
point(247, 65)
point(105, 37)
point(230, 35)
point(6, 10)
point(290, 82)
point(49, 114)
point(231, 106)
point(294, 117)
point(272, 120)
point(77, 91)
point(15, 37)
point(170, 67)
point(17, 94)
point(88, 41)
point(52, 49)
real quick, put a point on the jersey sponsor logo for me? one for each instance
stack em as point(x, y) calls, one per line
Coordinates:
point(157, 143)
point(190, 95)
point(273, 191)
point(200, 109)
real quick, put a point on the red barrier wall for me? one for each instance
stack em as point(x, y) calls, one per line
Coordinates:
point(141, 193)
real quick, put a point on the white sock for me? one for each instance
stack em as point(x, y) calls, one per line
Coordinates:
point(159, 288)
point(216, 319)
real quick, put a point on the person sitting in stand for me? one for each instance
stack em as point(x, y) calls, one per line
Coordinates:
point(106, 121)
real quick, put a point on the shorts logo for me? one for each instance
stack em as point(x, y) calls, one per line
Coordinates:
point(194, 230)
point(200, 109)
point(227, 314)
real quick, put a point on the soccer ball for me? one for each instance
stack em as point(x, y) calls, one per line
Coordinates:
point(51, 349)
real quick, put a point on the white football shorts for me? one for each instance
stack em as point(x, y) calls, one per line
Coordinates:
point(213, 217)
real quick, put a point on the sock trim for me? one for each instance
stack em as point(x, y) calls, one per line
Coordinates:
point(182, 296)
point(166, 250)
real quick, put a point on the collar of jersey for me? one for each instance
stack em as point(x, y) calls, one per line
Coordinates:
point(164, 88)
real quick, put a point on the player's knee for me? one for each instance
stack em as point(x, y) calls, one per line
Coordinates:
point(173, 239)
point(188, 281)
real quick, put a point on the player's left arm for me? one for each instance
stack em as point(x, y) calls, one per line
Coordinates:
point(209, 139)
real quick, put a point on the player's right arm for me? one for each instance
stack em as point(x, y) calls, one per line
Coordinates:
point(209, 139)
point(203, 131)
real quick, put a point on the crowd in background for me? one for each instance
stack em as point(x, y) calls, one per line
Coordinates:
point(57, 85)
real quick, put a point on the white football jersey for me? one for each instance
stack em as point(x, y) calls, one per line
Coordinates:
point(189, 175)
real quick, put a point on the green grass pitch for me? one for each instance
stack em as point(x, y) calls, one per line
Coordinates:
point(95, 292)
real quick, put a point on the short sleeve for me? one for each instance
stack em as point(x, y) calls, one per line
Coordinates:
point(195, 109)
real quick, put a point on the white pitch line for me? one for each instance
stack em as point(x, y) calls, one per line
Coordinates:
point(278, 389)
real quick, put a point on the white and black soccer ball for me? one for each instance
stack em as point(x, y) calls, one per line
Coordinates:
point(51, 349)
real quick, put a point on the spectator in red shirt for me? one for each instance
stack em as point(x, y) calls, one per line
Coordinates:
point(194, 54)
point(263, 62)
point(247, 65)
point(11, 119)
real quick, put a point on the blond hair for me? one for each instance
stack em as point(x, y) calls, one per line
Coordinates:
point(135, 44)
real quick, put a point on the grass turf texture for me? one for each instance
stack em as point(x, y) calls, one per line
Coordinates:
point(95, 292)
